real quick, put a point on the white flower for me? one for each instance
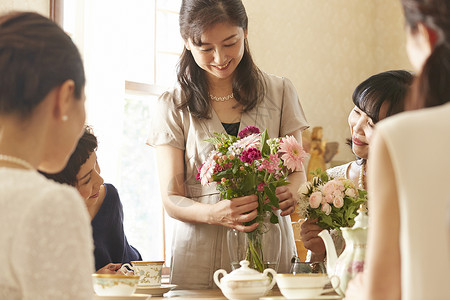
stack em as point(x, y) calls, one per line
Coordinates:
point(305, 188)
point(251, 141)
point(326, 208)
point(350, 193)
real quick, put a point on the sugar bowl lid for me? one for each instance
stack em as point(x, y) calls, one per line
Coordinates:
point(245, 273)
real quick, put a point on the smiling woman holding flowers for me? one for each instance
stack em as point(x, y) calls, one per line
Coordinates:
point(220, 90)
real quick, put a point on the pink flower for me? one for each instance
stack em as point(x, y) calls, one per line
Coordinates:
point(356, 267)
point(260, 186)
point(250, 155)
point(315, 199)
point(248, 131)
point(271, 165)
point(293, 153)
point(197, 177)
point(326, 208)
point(208, 167)
point(329, 187)
point(338, 202)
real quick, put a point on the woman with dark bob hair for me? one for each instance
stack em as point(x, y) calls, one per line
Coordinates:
point(45, 237)
point(220, 90)
point(376, 98)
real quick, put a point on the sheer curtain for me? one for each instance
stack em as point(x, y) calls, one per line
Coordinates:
point(119, 43)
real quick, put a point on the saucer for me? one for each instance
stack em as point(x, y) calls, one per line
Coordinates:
point(155, 290)
point(320, 297)
point(132, 297)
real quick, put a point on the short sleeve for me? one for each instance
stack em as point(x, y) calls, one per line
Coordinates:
point(53, 251)
point(293, 118)
point(166, 123)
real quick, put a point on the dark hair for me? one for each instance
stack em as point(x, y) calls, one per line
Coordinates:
point(87, 144)
point(431, 88)
point(195, 17)
point(387, 87)
point(35, 57)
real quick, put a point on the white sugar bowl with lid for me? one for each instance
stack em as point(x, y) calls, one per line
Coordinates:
point(245, 283)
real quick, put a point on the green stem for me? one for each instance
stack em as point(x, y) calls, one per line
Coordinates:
point(256, 259)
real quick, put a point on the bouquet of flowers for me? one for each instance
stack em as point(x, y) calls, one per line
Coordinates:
point(248, 164)
point(333, 202)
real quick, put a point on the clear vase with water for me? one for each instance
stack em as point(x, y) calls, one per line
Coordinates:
point(261, 247)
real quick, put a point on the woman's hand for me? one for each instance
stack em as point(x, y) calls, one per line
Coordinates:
point(232, 213)
point(286, 201)
point(309, 234)
point(110, 268)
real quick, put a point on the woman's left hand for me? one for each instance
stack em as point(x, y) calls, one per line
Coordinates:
point(286, 200)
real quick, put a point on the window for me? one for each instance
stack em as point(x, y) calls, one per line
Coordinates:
point(130, 50)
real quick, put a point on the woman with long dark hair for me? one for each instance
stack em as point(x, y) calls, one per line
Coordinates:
point(220, 90)
point(409, 241)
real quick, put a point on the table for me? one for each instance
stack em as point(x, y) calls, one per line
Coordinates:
point(213, 294)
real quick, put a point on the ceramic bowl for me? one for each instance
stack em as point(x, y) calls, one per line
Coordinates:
point(294, 286)
point(114, 284)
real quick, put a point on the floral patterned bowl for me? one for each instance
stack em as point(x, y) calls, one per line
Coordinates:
point(114, 284)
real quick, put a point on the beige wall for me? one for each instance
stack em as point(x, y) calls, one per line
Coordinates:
point(326, 48)
point(40, 6)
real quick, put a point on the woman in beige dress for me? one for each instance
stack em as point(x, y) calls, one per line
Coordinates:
point(376, 98)
point(220, 90)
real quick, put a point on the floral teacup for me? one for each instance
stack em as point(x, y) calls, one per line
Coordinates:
point(149, 271)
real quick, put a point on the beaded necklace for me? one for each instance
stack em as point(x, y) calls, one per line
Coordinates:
point(221, 99)
point(362, 176)
point(17, 161)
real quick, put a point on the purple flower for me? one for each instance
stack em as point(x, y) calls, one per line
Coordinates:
point(250, 155)
point(248, 131)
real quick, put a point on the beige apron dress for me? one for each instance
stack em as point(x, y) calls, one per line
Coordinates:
point(198, 250)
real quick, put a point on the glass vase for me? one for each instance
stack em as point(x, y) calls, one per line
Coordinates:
point(261, 247)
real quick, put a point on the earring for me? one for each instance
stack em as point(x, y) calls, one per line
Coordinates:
point(64, 118)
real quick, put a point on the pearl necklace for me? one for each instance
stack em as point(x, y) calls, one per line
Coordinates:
point(17, 161)
point(362, 171)
point(222, 99)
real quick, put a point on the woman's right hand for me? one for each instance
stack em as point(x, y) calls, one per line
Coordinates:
point(310, 237)
point(110, 268)
point(233, 213)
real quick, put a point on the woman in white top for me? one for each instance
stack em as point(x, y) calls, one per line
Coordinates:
point(378, 97)
point(220, 90)
point(45, 236)
point(408, 243)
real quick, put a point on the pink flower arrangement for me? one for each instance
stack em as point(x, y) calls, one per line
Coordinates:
point(251, 163)
point(334, 202)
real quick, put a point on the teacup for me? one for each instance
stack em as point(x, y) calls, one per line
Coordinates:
point(149, 271)
point(114, 284)
point(304, 285)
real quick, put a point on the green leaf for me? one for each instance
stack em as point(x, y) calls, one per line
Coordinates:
point(265, 149)
point(269, 190)
point(273, 218)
